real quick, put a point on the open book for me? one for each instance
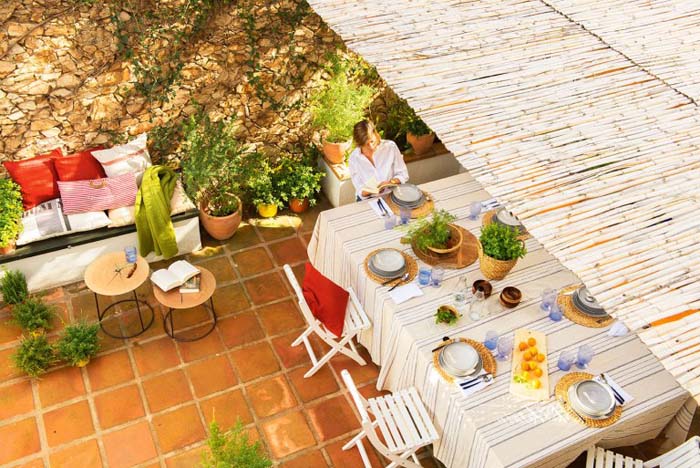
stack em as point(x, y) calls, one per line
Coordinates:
point(372, 187)
point(176, 274)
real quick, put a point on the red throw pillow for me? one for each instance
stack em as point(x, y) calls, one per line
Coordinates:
point(36, 178)
point(79, 166)
point(327, 300)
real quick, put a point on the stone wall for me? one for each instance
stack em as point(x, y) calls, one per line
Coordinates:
point(64, 83)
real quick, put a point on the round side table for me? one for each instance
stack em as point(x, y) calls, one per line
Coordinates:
point(175, 300)
point(112, 275)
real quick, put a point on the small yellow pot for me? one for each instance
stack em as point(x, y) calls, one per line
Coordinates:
point(267, 211)
point(82, 363)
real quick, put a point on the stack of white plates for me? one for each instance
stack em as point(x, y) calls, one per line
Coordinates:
point(387, 263)
point(592, 399)
point(408, 195)
point(506, 218)
point(460, 359)
point(586, 303)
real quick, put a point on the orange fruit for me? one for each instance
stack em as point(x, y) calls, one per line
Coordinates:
point(525, 366)
point(524, 375)
point(531, 341)
point(537, 372)
point(527, 356)
point(535, 383)
point(522, 346)
point(534, 351)
point(540, 357)
point(533, 365)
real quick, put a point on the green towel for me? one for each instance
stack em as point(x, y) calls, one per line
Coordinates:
point(154, 227)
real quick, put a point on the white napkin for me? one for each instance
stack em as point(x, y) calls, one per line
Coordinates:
point(621, 396)
point(474, 384)
point(406, 292)
point(618, 329)
point(374, 203)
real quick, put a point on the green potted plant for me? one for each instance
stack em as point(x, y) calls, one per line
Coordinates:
point(336, 109)
point(78, 343)
point(11, 211)
point(214, 171)
point(418, 134)
point(33, 315)
point(447, 314)
point(13, 285)
point(436, 233)
point(264, 193)
point(34, 355)
point(499, 250)
point(298, 183)
point(233, 449)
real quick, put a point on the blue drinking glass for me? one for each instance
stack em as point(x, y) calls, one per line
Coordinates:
point(424, 276)
point(491, 340)
point(555, 313)
point(436, 276)
point(549, 298)
point(131, 254)
point(389, 221)
point(584, 356)
point(405, 214)
point(505, 348)
point(566, 360)
point(474, 210)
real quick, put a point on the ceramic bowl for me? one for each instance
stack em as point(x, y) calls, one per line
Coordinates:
point(510, 297)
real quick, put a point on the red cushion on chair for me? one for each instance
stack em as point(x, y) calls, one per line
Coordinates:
point(79, 166)
point(36, 178)
point(327, 300)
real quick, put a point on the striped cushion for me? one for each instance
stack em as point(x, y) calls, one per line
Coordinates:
point(81, 196)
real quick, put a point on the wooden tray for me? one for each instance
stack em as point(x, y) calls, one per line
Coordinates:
point(467, 254)
point(522, 389)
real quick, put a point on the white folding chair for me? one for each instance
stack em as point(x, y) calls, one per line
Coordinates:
point(686, 455)
point(402, 420)
point(356, 320)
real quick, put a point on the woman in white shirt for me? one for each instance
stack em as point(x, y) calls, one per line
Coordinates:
point(374, 158)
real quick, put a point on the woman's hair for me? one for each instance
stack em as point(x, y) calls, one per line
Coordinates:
point(361, 132)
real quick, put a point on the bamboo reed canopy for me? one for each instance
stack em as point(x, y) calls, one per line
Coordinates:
point(598, 155)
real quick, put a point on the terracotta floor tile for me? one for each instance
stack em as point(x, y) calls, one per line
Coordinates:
point(9, 332)
point(350, 458)
point(68, 423)
point(109, 369)
point(308, 460)
point(332, 418)
point(186, 318)
point(221, 268)
point(188, 459)
point(86, 454)
point(207, 346)
point(288, 251)
point(83, 306)
point(16, 399)
point(290, 356)
point(271, 232)
point(137, 438)
point(244, 237)
point(253, 261)
point(230, 299)
point(360, 374)
point(166, 390)
point(119, 406)
point(60, 385)
point(226, 409)
point(255, 361)
point(322, 383)
point(178, 428)
point(280, 317)
point(266, 288)
point(287, 434)
point(211, 375)
point(154, 356)
point(271, 396)
point(34, 463)
point(19, 440)
point(8, 370)
point(240, 329)
point(299, 272)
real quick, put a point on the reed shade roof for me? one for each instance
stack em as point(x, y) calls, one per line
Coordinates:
point(599, 158)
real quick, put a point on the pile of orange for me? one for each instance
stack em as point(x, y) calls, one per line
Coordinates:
point(530, 365)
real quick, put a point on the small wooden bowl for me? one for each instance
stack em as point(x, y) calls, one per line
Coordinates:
point(454, 243)
point(485, 285)
point(452, 310)
point(510, 297)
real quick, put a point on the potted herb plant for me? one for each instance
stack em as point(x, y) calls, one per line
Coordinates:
point(436, 233)
point(214, 172)
point(11, 211)
point(79, 343)
point(418, 134)
point(298, 183)
point(499, 250)
point(13, 285)
point(264, 193)
point(34, 355)
point(33, 315)
point(233, 449)
point(447, 314)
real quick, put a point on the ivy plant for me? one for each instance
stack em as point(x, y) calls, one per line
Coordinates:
point(34, 355)
point(13, 285)
point(233, 449)
point(431, 232)
point(11, 211)
point(78, 343)
point(501, 242)
point(33, 315)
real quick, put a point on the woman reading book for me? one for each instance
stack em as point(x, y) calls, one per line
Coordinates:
point(375, 164)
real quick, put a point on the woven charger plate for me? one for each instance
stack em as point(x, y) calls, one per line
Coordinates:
point(487, 358)
point(423, 210)
point(488, 219)
point(411, 268)
point(465, 256)
point(561, 393)
point(570, 311)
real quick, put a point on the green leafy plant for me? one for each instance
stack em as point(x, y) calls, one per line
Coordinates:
point(446, 315)
point(33, 315)
point(501, 242)
point(431, 232)
point(13, 285)
point(296, 179)
point(403, 119)
point(11, 211)
point(262, 185)
point(78, 343)
point(233, 449)
point(34, 355)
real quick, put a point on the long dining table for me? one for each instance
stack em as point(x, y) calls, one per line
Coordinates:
point(492, 427)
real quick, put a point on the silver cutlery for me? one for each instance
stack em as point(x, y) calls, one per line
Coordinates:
point(380, 202)
point(404, 276)
point(618, 397)
point(403, 280)
point(476, 380)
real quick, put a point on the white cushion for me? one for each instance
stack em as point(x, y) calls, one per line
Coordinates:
point(129, 157)
point(47, 220)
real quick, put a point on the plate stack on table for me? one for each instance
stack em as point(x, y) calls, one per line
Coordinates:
point(592, 399)
point(460, 359)
point(387, 263)
point(407, 196)
point(506, 218)
point(585, 302)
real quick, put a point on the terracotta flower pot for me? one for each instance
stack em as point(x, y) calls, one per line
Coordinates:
point(220, 227)
point(298, 205)
point(334, 153)
point(267, 211)
point(420, 144)
point(7, 249)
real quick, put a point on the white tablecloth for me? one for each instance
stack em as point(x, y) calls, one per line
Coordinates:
point(491, 428)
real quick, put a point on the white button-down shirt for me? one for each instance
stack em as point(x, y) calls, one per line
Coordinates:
point(388, 164)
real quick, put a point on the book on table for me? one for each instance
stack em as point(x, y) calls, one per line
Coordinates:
point(191, 285)
point(175, 275)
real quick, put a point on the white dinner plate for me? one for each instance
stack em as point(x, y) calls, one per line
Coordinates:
point(506, 217)
point(459, 358)
point(387, 261)
point(407, 193)
point(592, 398)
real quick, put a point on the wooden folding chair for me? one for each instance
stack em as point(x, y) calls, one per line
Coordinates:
point(356, 320)
point(402, 420)
point(686, 455)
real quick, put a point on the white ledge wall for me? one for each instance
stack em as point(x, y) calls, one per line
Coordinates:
point(597, 156)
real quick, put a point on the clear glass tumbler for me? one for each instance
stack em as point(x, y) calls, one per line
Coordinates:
point(131, 254)
point(491, 340)
point(549, 298)
point(566, 359)
point(555, 313)
point(436, 276)
point(584, 356)
point(389, 221)
point(474, 210)
point(505, 347)
point(424, 276)
point(405, 214)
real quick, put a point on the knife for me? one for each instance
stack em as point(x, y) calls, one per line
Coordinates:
point(380, 202)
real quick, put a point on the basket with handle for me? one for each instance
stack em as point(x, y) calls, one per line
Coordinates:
point(492, 268)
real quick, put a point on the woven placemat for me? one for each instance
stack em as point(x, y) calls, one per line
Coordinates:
point(561, 390)
point(570, 311)
point(423, 210)
point(488, 219)
point(487, 359)
point(467, 254)
point(411, 268)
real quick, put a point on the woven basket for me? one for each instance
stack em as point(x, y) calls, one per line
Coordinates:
point(492, 268)
point(455, 234)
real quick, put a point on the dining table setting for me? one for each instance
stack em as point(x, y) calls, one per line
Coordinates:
point(516, 362)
